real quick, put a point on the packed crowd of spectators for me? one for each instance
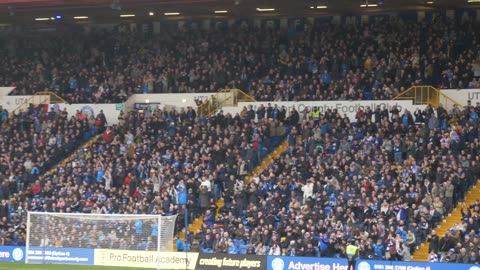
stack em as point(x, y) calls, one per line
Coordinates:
point(32, 141)
point(376, 60)
point(385, 182)
point(384, 179)
point(150, 163)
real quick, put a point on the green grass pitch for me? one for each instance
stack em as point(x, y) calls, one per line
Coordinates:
point(22, 266)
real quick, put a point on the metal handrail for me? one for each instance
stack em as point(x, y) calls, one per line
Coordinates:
point(47, 95)
point(217, 101)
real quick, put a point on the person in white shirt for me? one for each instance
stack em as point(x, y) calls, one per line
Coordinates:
point(28, 164)
point(155, 178)
point(274, 250)
point(260, 249)
point(129, 138)
point(107, 177)
point(307, 190)
point(52, 141)
point(206, 182)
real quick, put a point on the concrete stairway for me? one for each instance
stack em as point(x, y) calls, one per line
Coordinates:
point(454, 217)
point(269, 159)
point(69, 158)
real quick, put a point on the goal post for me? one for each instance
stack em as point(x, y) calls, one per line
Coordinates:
point(100, 239)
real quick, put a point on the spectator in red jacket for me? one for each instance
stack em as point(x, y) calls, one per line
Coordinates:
point(36, 188)
point(108, 135)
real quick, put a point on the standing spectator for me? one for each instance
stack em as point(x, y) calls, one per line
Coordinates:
point(434, 242)
point(352, 254)
point(405, 252)
point(411, 241)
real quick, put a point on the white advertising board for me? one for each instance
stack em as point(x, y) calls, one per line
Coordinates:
point(173, 100)
point(462, 95)
point(12, 102)
point(111, 111)
point(6, 90)
point(348, 108)
point(146, 259)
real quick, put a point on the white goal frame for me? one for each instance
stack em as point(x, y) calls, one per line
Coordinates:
point(168, 244)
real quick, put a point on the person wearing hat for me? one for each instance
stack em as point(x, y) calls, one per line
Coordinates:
point(352, 254)
point(451, 256)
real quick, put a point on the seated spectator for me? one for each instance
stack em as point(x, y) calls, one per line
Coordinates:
point(260, 249)
point(232, 248)
point(451, 256)
point(274, 250)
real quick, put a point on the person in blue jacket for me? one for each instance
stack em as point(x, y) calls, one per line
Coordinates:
point(379, 248)
point(232, 248)
point(182, 194)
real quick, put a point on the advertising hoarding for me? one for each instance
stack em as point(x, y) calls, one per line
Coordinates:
point(12, 254)
point(228, 261)
point(60, 255)
point(145, 259)
point(346, 107)
point(305, 263)
point(463, 95)
point(399, 265)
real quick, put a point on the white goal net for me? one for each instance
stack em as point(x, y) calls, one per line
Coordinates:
point(100, 239)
